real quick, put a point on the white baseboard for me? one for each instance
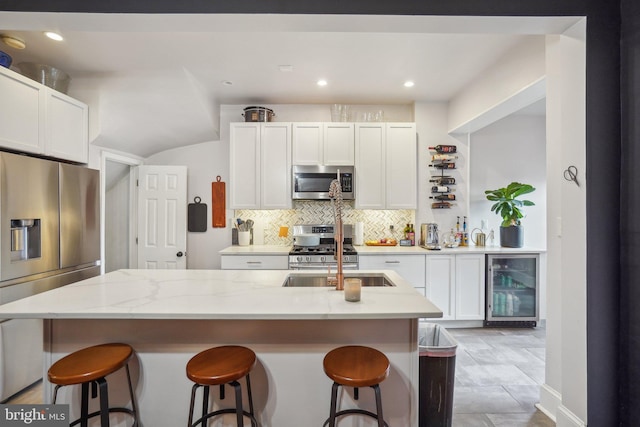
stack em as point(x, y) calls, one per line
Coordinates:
point(566, 418)
point(550, 401)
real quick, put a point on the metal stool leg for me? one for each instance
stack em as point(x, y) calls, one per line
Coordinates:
point(250, 398)
point(134, 405)
point(334, 399)
point(239, 411)
point(104, 402)
point(376, 388)
point(84, 405)
point(205, 404)
point(193, 403)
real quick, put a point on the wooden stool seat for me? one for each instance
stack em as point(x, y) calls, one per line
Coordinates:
point(221, 365)
point(89, 367)
point(90, 363)
point(356, 366)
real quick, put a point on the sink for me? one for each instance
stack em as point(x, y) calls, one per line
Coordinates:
point(306, 280)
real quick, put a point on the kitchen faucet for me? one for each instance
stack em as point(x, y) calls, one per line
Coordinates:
point(335, 192)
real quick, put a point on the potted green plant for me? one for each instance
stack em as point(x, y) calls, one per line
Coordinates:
point(508, 206)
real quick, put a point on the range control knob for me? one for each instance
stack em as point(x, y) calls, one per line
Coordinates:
point(323, 258)
point(299, 258)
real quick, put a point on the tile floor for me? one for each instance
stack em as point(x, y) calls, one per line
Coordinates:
point(498, 377)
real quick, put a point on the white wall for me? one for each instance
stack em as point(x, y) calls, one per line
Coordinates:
point(512, 149)
point(431, 125)
point(204, 162)
point(116, 224)
point(520, 68)
point(564, 393)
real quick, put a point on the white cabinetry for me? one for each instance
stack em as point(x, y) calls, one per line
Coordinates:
point(329, 144)
point(410, 267)
point(440, 283)
point(67, 128)
point(260, 166)
point(455, 283)
point(40, 120)
point(254, 262)
point(386, 166)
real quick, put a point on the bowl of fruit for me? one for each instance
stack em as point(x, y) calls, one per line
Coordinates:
point(382, 242)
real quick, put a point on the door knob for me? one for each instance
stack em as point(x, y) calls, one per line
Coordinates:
point(179, 254)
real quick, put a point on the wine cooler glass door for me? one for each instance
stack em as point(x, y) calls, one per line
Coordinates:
point(513, 287)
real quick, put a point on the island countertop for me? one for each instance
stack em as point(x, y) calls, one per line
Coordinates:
point(218, 294)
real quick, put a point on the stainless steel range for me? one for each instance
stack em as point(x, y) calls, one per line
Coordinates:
point(314, 248)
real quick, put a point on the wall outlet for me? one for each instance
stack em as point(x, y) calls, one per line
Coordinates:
point(391, 227)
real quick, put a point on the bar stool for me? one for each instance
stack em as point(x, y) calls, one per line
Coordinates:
point(220, 366)
point(356, 366)
point(90, 366)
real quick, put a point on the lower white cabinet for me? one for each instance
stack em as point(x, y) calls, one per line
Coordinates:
point(455, 283)
point(410, 267)
point(254, 262)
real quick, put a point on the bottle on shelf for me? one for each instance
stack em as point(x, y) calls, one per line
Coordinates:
point(450, 197)
point(406, 231)
point(443, 157)
point(444, 148)
point(441, 205)
point(440, 189)
point(443, 180)
point(443, 165)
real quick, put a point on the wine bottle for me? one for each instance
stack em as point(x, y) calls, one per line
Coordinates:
point(443, 165)
point(440, 205)
point(444, 148)
point(444, 197)
point(443, 157)
point(412, 235)
point(406, 231)
point(443, 180)
point(440, 189)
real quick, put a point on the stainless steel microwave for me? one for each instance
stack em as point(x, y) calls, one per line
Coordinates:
point(312, 182)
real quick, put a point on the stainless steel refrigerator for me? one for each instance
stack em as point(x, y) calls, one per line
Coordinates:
point(49, 237)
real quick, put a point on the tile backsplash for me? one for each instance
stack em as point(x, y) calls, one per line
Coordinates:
point(376, 222)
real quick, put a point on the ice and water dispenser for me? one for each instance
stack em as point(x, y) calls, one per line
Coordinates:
point(26, 241)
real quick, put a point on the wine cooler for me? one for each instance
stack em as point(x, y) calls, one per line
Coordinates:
point(512, 290)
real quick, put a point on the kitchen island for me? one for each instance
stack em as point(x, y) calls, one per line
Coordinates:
point(170, 315)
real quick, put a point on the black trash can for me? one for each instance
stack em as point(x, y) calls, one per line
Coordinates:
point(437, 375)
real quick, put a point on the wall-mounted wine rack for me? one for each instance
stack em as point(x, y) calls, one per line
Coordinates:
point(443, 159)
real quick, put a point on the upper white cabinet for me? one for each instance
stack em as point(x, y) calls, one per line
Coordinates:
point(67, 128)
point(260, 166)
point(330, 144)
point(37, 119)
point(386, 166)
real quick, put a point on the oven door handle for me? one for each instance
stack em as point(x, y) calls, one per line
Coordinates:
point(323, 267)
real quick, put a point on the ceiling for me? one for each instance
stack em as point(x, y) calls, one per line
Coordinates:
point(159, 79)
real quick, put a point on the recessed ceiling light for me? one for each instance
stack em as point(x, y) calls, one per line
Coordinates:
point(409, 84)
point(12, 41)
point(53, 36)
point(322, 82)
point(286, 68)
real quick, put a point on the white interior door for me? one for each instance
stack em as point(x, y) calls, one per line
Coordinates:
point(162, 217)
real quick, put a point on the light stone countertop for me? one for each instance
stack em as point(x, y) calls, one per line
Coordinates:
point(218, 294)
point(385, 250)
